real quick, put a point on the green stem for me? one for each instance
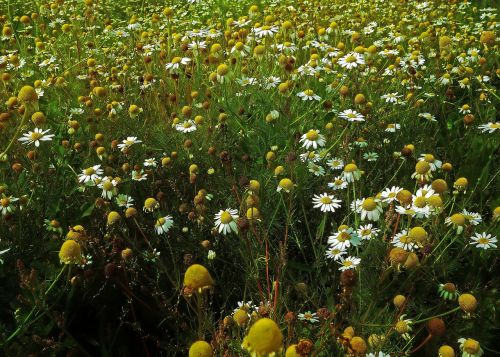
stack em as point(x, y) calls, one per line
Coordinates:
point(16, 134)
point(443, 314)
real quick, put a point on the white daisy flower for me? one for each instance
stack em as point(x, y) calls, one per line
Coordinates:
point(402, 240)
point(339, 183)
point(344, 238)
point(108, 186)
point(326, 202)
point(369, 208)
point(489, 127)
point(6, 205)
point(34, 137)
point(349, 263)
point(187, 126)
point(473, 217)
point(163, 224)
point(92, 174)
point(367, 232)
point(308, 316)
point(312, 139)
point(351, 60)
point(335, 163)
point(335, 253)
point(484, 240)
point(225, 221)
point(351, 115)
point(391, 97)
point(389, 194)
point(308, 94)
point(128, 142)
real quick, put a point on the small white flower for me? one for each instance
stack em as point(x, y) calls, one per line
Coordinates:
point(351, 115)
point(163, 224)
point(351, 60)
point(349, 263)
point(225, 221)
point(34, 137)
point(312, 139)
point(90, 174)
point(326, 202)
point(128, 142)
point(484, 240)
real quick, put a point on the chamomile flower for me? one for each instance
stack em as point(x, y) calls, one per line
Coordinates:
point(6, 204)
point(404, 327)
point(225, 221)
point(317, 170)
point(402, 240)
point(349, 263)
point(308, 316)
point(108, 186)
point(310, 156)
point(389, 194)
point(367, 232)
point(351, 173)
point(335, 163)
point(265, 31)
point(151, 162)
point(335, 253)
point(187, 126)
point(351, 60)
point(34, 137)
point(470, 347)
point(90, 174)
point(391, 97)
point(344, 238)
point(448, 291)
point(308, 94)
point(431, 160)
point(423, 171)
point(484, 240)
point(457, 220)
point(138, 175)
point(128, 142)
point(351, 115)
point(312, 139)
point(474, 218)
point(124, 201)
point(369, 208)
point(339, 183)
point(392, 128)
point(174, 65)
point(163, 224)
point(489, 127)
point(326, 202)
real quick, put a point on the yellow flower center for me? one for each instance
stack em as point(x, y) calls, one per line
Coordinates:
point(5, 202)
point(483, 240)
point(226, 217)
point(347, 263)
point(89, 171)
point(458, 219)
point(350, 59)
point(312, 135)
point(422, 167)
point(176, 60)
point(309, 92)
point(107, 186)
point(325, 200)
point(350, 168)
point(343, 236)
point(429, 158)
point(420, 202)
point(187, 124)
point(369, 204)
point(495, 126)
point(35, 136)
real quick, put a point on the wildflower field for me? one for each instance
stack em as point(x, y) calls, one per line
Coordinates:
point(249, 178)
